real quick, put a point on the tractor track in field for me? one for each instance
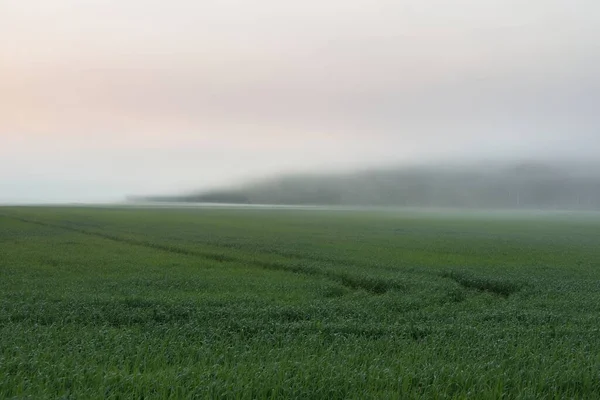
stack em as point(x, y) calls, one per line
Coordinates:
point(370, 284)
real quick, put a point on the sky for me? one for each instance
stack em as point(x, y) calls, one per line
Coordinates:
point(100, 99)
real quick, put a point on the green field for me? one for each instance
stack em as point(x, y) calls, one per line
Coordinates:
point(278, 303)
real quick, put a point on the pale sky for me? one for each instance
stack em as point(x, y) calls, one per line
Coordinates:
point(104, 98)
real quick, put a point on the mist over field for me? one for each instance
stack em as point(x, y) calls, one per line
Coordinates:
point(490, 186)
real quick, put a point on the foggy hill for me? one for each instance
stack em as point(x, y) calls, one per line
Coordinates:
point(522, 186)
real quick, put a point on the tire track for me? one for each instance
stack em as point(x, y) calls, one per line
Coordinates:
point(371, 284)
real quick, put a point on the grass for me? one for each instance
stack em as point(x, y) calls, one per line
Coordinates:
point(263, 304)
